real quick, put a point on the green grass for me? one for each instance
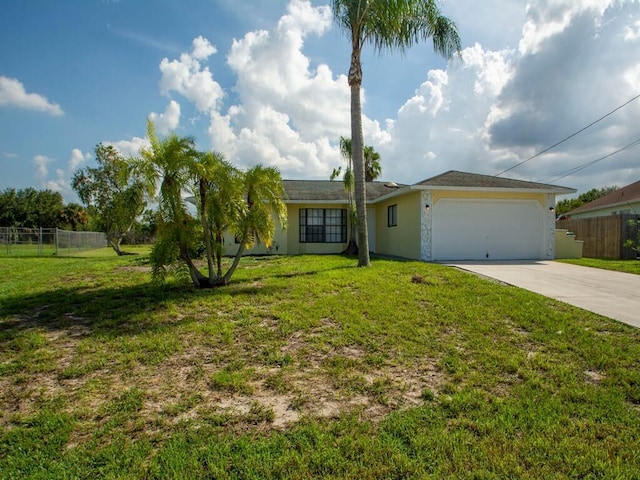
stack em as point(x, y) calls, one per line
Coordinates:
point(628, 266)
point(307, 367)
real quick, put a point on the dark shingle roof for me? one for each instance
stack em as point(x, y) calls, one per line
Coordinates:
point(333, 191)
point(454, 178)
point(630, 193)
point(330, 191)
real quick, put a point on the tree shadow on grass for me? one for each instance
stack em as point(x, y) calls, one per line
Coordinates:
point(115, 311)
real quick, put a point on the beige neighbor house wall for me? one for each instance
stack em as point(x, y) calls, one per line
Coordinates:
point(632, 208)
point(278, 246)
point(402, 240)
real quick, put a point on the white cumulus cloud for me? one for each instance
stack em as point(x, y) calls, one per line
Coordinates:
point(77, 159)
point(130, 148)
point(62, 180)
point(167, 121)
point(41, 163)
point(13, 93)
point(188, 77)
point(568, 65)
point(290, 113)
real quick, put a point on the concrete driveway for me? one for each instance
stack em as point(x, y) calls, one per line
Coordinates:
point(612, 294)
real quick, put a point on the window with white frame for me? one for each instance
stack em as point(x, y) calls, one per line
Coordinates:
point(323, 225)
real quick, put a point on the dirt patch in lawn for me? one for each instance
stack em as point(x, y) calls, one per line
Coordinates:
point(180, 389)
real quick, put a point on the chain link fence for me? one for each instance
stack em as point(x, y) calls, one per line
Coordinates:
point(47, 241)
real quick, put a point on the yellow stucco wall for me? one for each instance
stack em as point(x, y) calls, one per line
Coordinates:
point(540, 197)
point(287, 242)
point(402, 240)
point(278, 246)
point(294, 246)
point(567, 246)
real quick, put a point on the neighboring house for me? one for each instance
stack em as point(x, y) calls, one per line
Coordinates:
point(452, 216)
point(623, 201)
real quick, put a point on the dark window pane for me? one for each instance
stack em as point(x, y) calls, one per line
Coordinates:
point(323, 225)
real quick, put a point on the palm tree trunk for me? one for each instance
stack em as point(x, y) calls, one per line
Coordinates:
point(236, 260)
point(355, 81)
point(199, 280)
point(206, 229)
point(219, 239)
point(352, 245)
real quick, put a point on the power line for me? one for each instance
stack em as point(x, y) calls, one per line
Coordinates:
point(571, 171)
point(569, 137)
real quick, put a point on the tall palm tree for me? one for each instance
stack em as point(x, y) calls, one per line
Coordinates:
point(387, 25)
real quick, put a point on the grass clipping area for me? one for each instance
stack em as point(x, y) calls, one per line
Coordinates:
point(307, 367)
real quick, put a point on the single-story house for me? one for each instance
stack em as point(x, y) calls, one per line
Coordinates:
point(623, 201)
point(452, 216)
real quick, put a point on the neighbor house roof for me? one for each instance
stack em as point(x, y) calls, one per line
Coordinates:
point(330, 191)
point(454, 178)
point(622, 196)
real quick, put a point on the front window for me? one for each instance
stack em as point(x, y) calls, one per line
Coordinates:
point(323, 225)
point(392, 215)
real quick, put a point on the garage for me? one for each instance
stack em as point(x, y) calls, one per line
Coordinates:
point(486, 229)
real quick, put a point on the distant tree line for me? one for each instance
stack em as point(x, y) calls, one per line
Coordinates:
point(565, 206)
point(31, 208)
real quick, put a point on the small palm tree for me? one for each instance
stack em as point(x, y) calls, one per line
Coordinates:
point(166, 167)
point(226, 200)
point(347, 178)
point(218, 186)
point(263, 200)
point(372, 168)
point(387, 25)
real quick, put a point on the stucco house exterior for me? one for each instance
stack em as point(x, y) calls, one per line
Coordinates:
point(452, 216)
point(623, 201)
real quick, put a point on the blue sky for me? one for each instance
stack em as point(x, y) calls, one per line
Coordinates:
point(263, 82)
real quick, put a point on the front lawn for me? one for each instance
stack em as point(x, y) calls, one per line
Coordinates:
point(628, 266)
point(307, 367)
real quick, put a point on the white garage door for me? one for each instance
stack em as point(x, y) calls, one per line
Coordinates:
point(487, 230)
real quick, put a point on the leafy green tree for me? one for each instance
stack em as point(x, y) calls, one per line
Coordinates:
point(566, 205)
point(633, 243)
point(227, 199)
point(386, 25)
point(48, 205)
point(148, 224)
point(74, 217)
point(8, 207)
point(112, 192)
